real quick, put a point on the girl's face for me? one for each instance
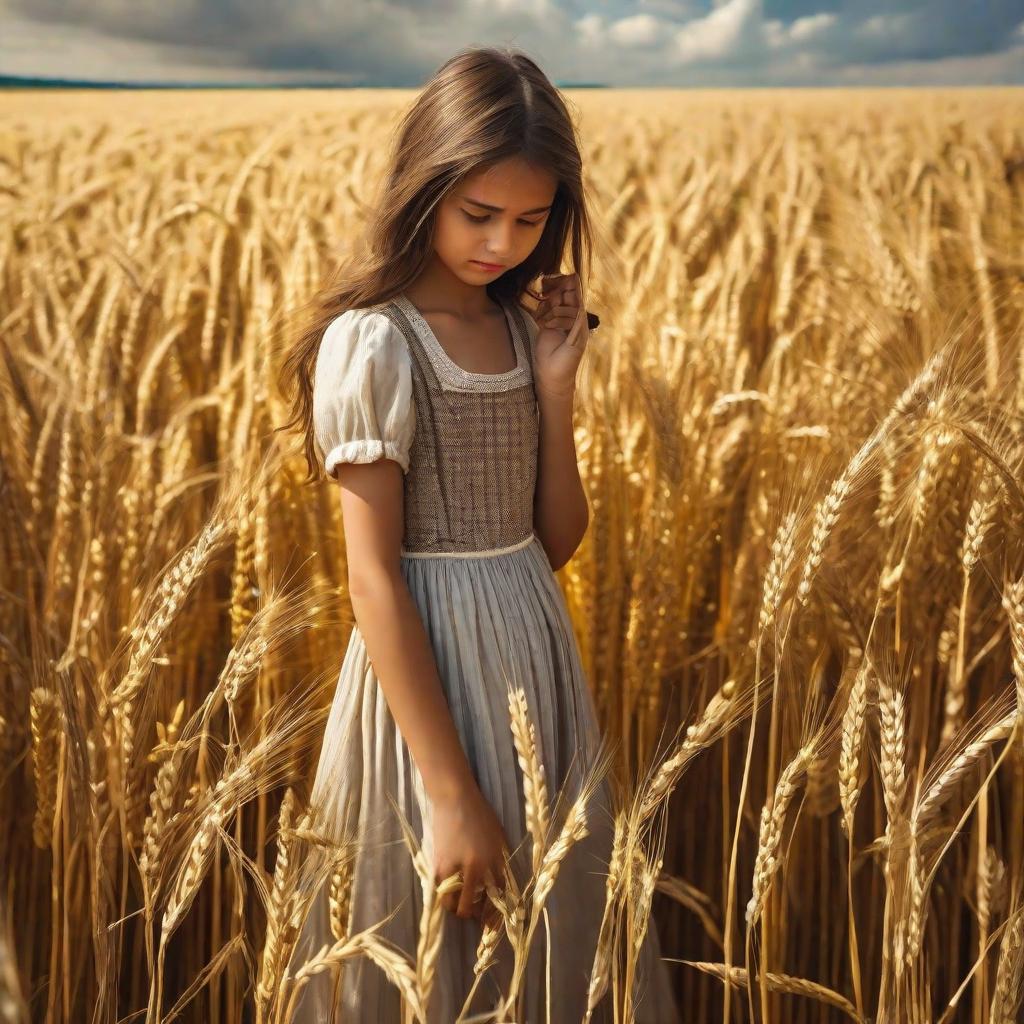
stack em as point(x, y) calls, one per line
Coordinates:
point(492, 220)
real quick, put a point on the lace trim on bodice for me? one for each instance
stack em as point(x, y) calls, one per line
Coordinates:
point(453, 377)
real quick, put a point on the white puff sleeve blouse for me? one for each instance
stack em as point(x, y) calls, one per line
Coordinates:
point(362, 391)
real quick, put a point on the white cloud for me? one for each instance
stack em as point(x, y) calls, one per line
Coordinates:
point(775, 33)
point(881, 25)
point(810, 26)
point(720, 33)
point(590, 29)
point(639, 30)
point(535, 8)
point(677, 10)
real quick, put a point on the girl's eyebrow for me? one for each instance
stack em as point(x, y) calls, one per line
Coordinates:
point(500, 209)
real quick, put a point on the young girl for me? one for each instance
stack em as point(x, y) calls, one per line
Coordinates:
point(444, 410)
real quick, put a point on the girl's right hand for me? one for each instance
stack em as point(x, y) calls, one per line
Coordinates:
point(563, 334)
point(469, 840)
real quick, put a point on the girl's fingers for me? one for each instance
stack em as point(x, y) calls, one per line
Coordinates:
point(469, 887)
point(560, 316)
point(556, 299)
point(563, 310)
point(556, 286)
point(549, 281)
point(550, 302)
point(560, 319)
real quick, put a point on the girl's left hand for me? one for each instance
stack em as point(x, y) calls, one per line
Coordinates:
point(562, 340)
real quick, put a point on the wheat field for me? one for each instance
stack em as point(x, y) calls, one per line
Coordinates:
point(800, 600)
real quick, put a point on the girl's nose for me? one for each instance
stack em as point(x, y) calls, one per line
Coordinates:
point(500, 244)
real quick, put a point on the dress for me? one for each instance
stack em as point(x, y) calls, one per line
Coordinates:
point(496, 617)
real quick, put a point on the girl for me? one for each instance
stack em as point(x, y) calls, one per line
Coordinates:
point(443, 408)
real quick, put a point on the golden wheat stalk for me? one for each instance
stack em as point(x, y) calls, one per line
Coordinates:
point(891, 712)
point(259, 767)
point(781, 983)
point(980, 519)
point(573, 829)
point(431, 923)
point(161, 802)
point(600, 971)
point(826, 515)
point(169, 599)
point(783, 547)
point(395, 965)
point(773, 817)
point(959, 766)
point(277, 905)
point(854, 719)
point(340, 891)
point(1006, 998)
point(917, 882)
point(1013, 603)
point(200, 849)
point(535, 793)
point(490, 936)
point(45, 716)
point(721, 713)
point(431, 928)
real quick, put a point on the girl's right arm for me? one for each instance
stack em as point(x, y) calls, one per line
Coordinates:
point(396, 640)
point(468, 835)
point(364, 419)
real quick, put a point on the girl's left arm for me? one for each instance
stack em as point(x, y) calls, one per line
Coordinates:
point(560, 510)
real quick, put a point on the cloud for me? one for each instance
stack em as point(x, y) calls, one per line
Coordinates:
point(620, 42)
point(30, 48)
point(882, 26)
point(806, 28)
point(980, 69)
point(725, 32)
point(639, 30)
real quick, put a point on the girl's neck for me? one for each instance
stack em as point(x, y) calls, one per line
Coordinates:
point(437, 289)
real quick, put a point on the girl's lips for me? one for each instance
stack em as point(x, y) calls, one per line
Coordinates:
point(489, 266)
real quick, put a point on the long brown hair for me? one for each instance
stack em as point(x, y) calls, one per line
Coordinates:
point(482, 105)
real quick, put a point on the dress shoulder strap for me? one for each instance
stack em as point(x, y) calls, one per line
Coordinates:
point(520, 316)
point(421, 360)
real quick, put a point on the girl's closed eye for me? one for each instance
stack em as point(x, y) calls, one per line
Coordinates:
point(486, 217)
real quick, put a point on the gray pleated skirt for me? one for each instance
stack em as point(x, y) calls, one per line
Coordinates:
point(496, 619)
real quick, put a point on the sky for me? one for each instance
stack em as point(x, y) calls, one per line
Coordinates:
point(688, 43)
